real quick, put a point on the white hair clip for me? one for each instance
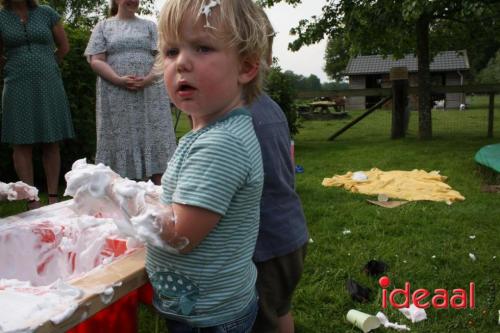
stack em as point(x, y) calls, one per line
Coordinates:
point(207, 10)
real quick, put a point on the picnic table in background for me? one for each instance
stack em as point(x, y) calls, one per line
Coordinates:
point(325, 106)
point(324, 109)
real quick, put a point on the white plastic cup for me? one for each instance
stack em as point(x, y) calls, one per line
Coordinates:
point(363, 321)
point(382, 197)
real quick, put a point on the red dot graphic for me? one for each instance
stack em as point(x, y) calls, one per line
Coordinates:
point(384, 282)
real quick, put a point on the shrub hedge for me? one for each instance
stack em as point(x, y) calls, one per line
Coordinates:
point(281, 89)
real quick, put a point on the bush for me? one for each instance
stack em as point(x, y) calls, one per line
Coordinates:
point(79, 82)
point(491, 73)
point(281, 89)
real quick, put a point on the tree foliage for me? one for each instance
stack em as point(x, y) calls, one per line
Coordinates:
point(491, 73)
point(336, 57)
point(300, 82)
point(281, 89)
point(395, 28)
point(86, 13)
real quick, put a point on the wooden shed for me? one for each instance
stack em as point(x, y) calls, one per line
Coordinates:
point(372, 71)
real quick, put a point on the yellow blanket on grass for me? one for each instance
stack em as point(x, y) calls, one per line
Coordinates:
point(407, 185)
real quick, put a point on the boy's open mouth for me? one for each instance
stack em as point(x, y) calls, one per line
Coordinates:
point(185, 87)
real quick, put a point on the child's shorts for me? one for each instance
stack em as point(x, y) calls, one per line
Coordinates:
point(241, 325)
point(276, 282)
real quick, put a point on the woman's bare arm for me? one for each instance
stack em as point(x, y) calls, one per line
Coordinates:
point(61, 41)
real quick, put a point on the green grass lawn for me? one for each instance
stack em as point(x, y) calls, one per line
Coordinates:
point(406, 238)
point(424, 243)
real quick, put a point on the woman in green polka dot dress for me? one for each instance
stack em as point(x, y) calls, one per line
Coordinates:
point(34, 103)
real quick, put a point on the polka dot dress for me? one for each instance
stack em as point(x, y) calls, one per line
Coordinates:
point(135, 136)
point(34, 103)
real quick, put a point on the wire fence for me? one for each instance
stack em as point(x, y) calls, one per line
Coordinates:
point(471, 121)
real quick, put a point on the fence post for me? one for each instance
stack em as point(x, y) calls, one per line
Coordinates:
point(399, 80)
point(491, 115)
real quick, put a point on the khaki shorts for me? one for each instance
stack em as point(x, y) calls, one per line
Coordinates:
point(276, 282)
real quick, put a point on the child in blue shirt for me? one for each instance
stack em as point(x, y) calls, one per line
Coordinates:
point(282, 240)
point(212, 56)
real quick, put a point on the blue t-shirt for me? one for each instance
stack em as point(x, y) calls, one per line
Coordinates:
point(282, 223)
point(219, 168)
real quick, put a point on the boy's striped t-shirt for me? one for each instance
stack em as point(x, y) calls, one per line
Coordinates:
point(219, 168)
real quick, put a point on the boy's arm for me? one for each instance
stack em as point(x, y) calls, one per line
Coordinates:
point(191, 223)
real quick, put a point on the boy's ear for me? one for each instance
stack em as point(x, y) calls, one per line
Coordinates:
point(248, 70)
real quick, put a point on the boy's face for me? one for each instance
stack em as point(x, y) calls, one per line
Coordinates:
point(203, 76)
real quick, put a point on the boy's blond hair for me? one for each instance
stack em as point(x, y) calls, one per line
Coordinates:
point(270, 34)
point(239, 23)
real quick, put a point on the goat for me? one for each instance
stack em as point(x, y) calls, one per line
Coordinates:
point(439, 104)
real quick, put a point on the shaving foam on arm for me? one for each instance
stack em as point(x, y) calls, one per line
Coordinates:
point(157, 227)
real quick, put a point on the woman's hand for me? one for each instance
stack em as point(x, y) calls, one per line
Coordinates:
point(126, 82)
point(142, 82)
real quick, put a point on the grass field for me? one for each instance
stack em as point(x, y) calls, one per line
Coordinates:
point(424, 243)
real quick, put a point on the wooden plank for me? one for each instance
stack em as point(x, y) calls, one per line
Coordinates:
point(125, 274)
point(346, 92)
point(470, 88)
point(358, 119)
point(399, 105)
point(491, 115)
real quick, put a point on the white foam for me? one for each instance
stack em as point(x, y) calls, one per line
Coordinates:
point(18, 191)
point(47, 249)
point(23, 307)
point(35, 258)
point(133, 206)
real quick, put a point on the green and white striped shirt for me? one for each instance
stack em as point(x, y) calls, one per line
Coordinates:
point(219, 168)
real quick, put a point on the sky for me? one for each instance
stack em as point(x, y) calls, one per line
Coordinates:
point(309, 59)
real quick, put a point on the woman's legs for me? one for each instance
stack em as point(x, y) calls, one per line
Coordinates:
point(285, 323)
point(23, 164)
point(51, 160)
point(156, 178)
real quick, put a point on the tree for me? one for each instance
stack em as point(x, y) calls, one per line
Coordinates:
point(313, 83)
point(336, 57)
point(280, 87)
point(335, 85)
point(86, 13)
point(394, 28)
point(491, 73)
